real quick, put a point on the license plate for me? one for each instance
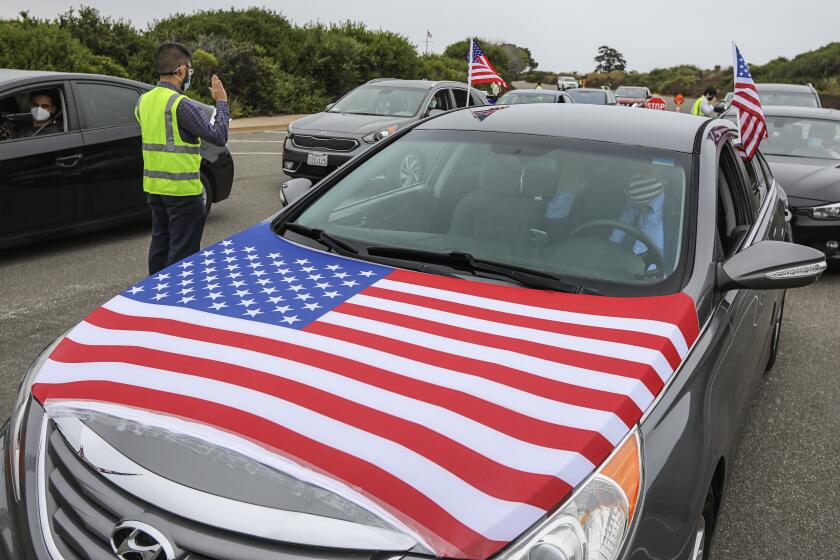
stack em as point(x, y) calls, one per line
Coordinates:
point(317, 159)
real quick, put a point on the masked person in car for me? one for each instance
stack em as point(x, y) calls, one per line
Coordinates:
point(43, 109)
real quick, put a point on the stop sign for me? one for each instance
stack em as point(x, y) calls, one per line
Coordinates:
point(656, 103)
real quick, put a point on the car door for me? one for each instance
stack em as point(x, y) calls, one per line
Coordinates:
point(112, 154)
point(41, 176)
point(440, 99)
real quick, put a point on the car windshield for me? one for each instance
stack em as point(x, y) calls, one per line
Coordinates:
point(601, 214)
point(588, 97)
point(382, 101)
point(517, 98)
point(789, 99)
point(790, 136)
point(625, 91)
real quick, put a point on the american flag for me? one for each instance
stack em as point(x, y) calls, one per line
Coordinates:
point(480, 69)
point(751, 123)
point(463, 411)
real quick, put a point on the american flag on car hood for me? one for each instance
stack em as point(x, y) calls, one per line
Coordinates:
point(464, 410)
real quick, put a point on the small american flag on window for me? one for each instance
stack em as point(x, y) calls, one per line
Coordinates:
point(751, 123)
point(480, 69)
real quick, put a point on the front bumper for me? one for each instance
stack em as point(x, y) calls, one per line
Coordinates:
point(295, 160)
point(817, 234)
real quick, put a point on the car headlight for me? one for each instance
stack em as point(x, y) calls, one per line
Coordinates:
point(374, 137)
point(827, 212)
point(593, 524)
point(19, 413)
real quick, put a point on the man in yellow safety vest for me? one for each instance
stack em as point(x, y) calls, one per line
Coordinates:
point(704, 106)
point(172, 126)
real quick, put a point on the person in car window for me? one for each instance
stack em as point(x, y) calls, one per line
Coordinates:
point(643, 209)
point(43, 109)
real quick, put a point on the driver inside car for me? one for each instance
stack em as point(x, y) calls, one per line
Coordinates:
point(642, 209)
point(43, 110)
point(821, 136)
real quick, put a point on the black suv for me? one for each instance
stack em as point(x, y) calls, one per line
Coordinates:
point(83, 168)
point(318, 144)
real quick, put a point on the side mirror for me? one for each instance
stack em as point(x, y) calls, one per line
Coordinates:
point(771, 265)
point(431, 112)
point(293, 189)
point(330, 106)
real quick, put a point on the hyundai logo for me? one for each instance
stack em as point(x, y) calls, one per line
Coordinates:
point(134, 540)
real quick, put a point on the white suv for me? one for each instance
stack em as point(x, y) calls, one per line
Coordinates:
point(566, 82)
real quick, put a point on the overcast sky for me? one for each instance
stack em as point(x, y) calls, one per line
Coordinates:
point(562, 34)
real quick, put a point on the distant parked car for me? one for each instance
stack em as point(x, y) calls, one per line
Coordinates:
point(82, 170)
point(632, 96)
point(566, 82)
point(318, 144)
point(803, 152)
point(593, 96)
point(519, 96)
point(792, 95)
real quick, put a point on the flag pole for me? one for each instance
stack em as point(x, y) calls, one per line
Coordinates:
point(734, 79)
point(469, 71)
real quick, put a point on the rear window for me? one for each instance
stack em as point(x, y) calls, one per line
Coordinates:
point(517, 98)
point(625, 91)
point(105, 105)
point(789, 99)
point(588, 97)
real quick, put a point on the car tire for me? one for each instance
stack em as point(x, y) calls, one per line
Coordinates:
point(206, 193)
point(705, 528)
point(777, 335)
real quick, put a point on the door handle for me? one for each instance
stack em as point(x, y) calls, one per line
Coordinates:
point(68, 161)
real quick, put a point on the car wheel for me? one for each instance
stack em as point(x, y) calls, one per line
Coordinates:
point(206, 193)
point(777, 334)
point(411, 170)
point(705, 527)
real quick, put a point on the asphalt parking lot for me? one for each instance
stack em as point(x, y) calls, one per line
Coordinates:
point(783, 498)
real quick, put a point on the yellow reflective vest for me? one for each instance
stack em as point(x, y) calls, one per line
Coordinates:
point(696, 109)
point(171, 166)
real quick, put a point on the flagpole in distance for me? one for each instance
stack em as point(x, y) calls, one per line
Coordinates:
point(469, 71)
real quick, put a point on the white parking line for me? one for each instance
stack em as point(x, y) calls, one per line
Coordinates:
point(256, 153)
point(275, 131)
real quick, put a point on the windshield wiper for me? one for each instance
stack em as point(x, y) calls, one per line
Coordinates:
point(322, 237)
point(529, 277)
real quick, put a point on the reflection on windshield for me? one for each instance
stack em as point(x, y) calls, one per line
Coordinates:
point(575, 209)
point(518, 98)
point(588, 97)
point(788, 136)
point(788, 99)
point(381, 101)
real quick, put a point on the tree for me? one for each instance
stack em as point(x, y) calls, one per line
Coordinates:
point(609, 59)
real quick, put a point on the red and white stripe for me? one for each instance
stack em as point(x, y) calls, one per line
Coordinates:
point(464, 410)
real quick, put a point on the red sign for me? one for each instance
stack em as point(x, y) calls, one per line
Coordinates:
point(656, 103)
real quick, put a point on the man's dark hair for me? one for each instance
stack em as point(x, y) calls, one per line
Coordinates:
point(710, 91)
point(169, 56)
point(46, 93)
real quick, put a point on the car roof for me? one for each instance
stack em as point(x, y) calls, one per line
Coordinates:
point(790, 88)
point(803, 112)
point(590, 89)
point(419, 84)
point(665, 130)
point(9, 75)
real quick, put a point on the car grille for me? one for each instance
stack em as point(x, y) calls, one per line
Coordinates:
point(83, 508)
point(325, 143)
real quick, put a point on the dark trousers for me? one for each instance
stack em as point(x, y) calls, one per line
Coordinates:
point(177, 225)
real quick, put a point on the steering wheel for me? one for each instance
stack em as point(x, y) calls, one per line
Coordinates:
point(653, 255)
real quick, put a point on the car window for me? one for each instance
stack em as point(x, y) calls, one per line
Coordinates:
point(106, 105)
point(381, 100)
point(590, 97)
point(758, 183)
point(571, 207)
point(33, 113)
point(440, 100)
point(765, 168)
point(736, 210)
point(476, 99)
point(789, 99)
point(460, 97)
point(803, 137)
point(514, 98)
point(628, 91)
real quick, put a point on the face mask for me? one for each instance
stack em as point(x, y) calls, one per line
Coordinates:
point(186, 85)
point(815, 142)
point(39, 114)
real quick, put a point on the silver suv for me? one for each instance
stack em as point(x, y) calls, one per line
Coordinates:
point(318, 144)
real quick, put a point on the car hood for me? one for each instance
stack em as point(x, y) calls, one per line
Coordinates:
point(453, 412)
point(325, 124)
point(807, 178)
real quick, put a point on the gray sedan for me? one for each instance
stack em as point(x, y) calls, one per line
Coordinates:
point(541, 348)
